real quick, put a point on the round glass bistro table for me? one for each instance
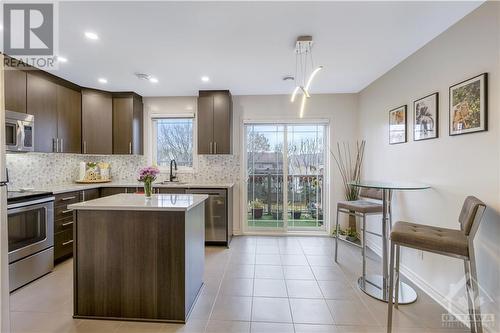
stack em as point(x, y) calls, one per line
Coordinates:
point(377, 286)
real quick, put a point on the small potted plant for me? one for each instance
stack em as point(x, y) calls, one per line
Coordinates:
point(148, 175)
point(257, 208)
point(277, 212)
point(351, 235)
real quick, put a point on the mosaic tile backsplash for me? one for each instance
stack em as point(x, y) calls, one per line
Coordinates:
point(40, 170)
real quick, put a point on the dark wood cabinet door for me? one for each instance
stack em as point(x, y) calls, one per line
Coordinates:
point(97, 122)
point(123, 112)
point(42, 103)
point(69, 120)
point(15, 90)
point(205, 124)
point(222, 123)
point(138, 127)
point(107, 191)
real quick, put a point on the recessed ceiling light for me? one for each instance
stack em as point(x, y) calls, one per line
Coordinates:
point(102, 80)
point(205, 78)
point(91, 35)
point(61, 59)
point(153, 80)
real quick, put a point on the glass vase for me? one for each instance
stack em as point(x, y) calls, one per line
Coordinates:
point(148, 189)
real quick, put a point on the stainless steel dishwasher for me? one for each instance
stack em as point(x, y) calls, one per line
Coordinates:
point(216, 228)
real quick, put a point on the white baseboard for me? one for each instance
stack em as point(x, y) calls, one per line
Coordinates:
point(422, 284)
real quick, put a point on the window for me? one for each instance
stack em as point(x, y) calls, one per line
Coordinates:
point(173, 139)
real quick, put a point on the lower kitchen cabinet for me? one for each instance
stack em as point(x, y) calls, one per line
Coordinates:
point(63, 225)
point(91, 194)
point(63, 244)
point(107, 191)
point(165, 190)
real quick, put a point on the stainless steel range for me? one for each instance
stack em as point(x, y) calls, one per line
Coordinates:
point(30, 219)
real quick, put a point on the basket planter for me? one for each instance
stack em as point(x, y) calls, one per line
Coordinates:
point(277, 215)
point(257, 213)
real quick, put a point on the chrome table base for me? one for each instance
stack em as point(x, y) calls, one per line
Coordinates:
point(373, 286)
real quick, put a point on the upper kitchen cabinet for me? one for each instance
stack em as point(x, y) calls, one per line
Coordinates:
point(69, 120)
point(15, 89)
point(41, 102)
point(127, 124)
point(214, 122)
point(97, 122)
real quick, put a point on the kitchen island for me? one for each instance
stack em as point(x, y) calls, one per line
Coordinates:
point(138, 259)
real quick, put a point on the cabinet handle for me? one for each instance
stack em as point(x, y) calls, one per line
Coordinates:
point(66, 211)
point(215, 147)
point(68, 198)
point(210, 148)
point(54, 145)
point(85, 147)
point(67, 223)
point(62, 150)
point(130, 148)
point(68, 242)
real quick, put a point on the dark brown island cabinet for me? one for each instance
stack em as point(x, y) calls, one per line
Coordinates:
point(127, 123)
point(153, 252)
point(215, 108)
point(97, 122)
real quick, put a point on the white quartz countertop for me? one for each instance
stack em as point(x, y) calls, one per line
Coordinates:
point(58, 189)
point(158, 202)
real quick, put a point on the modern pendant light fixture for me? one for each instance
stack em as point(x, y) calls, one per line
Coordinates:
point(304, 70)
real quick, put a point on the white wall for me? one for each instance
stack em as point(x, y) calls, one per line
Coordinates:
point(455, 166)
point(339, 109)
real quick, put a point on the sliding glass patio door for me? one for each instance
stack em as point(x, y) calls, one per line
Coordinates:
point(285, 176)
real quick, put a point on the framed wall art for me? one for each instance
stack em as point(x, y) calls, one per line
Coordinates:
point(426, 117)
point(468, 106)
point(397, 125)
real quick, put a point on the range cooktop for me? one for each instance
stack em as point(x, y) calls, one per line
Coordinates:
point(17, 196)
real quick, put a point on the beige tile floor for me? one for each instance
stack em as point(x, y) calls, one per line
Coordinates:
point(260, 284)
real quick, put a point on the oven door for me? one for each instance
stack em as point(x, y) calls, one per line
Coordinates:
point(30, 228)
point(12, 135)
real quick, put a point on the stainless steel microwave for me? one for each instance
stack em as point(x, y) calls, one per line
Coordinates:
point(19, 131)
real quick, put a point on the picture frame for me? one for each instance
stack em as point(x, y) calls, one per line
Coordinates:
point(398, 125)
point(426, 117)
point(468, 108)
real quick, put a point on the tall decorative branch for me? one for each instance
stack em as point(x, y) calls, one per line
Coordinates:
point(349, 166)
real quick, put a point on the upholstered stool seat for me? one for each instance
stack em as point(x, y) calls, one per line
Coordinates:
point(448, 242)
point(361, 206)
point(429, 238)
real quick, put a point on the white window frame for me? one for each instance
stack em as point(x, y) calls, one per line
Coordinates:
point(245, 230)
point(153, 138)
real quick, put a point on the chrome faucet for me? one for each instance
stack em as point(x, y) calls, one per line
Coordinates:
point(172, 176)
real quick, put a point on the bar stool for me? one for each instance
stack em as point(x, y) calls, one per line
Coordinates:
point(448, 242)
point(360, 208)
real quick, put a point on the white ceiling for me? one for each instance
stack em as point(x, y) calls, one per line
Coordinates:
point(242, 46)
